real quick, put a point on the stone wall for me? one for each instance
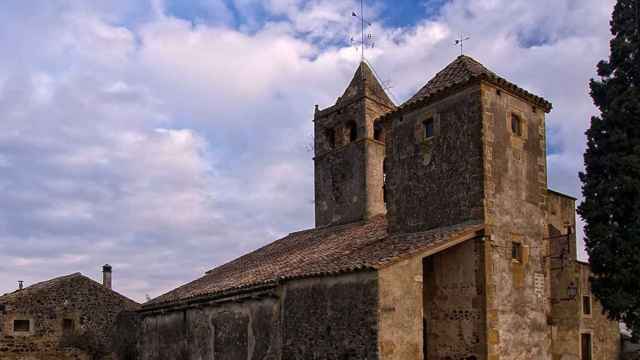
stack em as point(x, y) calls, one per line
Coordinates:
point(565, 320)
point(315, 318)
point(568, 318)
point(442, 293)
point(348, 173)
point(92, 308)
point(454, 303)
point(435, 181)
point(515, 191)
point(605, 334)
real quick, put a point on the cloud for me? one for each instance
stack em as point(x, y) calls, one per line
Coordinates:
point(166, 143)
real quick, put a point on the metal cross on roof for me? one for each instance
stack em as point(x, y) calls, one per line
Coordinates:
point(366, 40)
point(460, 41)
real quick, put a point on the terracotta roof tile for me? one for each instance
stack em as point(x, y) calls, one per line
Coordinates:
point(322, 251)
point(458, 73)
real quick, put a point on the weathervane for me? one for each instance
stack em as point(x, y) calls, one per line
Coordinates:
point(365, 39)
point(460, 41)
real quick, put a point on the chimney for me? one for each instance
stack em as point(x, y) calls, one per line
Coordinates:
point(20, 284)
point(106, 276)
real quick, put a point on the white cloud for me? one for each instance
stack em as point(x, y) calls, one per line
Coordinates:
point(166, 147)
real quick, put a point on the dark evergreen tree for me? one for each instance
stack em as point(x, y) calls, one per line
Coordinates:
point(611, 181)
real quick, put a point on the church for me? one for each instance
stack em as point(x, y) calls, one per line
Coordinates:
point(436, 238)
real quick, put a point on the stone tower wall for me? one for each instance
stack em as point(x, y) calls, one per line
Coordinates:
point(436, 181)
point(515, 193)
point(348, 174)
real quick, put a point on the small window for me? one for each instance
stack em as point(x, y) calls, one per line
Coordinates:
point(585, 346)
point(330, 137)
point(378, 132)
point(384, 180)
point(67, 325)
point(516, 251)
point(428, 128)
point(21, 325)
point(516, 125)
point(352, 131)
point(586, 305)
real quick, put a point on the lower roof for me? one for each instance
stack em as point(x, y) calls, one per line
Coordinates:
point(317, 252)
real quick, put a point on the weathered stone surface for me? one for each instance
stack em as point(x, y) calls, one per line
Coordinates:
point(349, 171)
point(568, 318)
point(93, 309)
point(303, 319)
point(515, 191)
point(435, 181)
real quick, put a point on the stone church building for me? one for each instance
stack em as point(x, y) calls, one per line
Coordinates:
point(436, 238)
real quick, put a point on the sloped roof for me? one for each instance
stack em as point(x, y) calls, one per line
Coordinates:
point(316, 252)
point(459, 72)
point(52, 284)
point(364, 84)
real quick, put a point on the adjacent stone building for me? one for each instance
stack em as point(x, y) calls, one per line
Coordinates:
point(436, 238)
point(69, 317)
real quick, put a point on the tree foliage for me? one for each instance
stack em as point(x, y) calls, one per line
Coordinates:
point(611, 181)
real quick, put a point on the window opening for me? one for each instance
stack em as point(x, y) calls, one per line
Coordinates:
point(378, 132)
point(330, 136)
point(352, 131)
point(516, 251)
point(67, 325)
point(21, 325)
point(586, 305)
point(428, 128)
point(516, 125)
point(585, 344)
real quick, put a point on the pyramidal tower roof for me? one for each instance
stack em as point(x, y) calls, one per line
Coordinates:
point(365, 83)
point(464, 69)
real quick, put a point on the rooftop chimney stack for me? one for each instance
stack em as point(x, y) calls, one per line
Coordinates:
point(106, 276)
point(20, 284)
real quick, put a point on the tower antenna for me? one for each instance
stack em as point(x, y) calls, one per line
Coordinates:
point(460, 41)
point(363, 37)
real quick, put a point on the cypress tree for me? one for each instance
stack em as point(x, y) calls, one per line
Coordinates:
point(611, 181)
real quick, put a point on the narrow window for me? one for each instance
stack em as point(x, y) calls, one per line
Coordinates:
point(428, 128)
point(67, 325)
point(516, 251)
point(330, 137)
point(516, 125)
point(384, 180)
point(586, 305)
point(378, 132)
point(21, 325)
point(352, 131)
point(585, 346)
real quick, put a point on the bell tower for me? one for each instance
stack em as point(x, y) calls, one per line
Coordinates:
point(349, 153)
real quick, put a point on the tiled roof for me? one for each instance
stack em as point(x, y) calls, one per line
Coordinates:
point(458, 73)
point(363, 84)
point(51, 284)
point(316, 252)
point(460, 70)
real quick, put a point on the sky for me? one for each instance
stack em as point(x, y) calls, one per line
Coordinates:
point(169, 137)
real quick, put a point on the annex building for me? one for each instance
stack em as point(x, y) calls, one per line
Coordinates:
point(70, 317)
point(436, 238)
